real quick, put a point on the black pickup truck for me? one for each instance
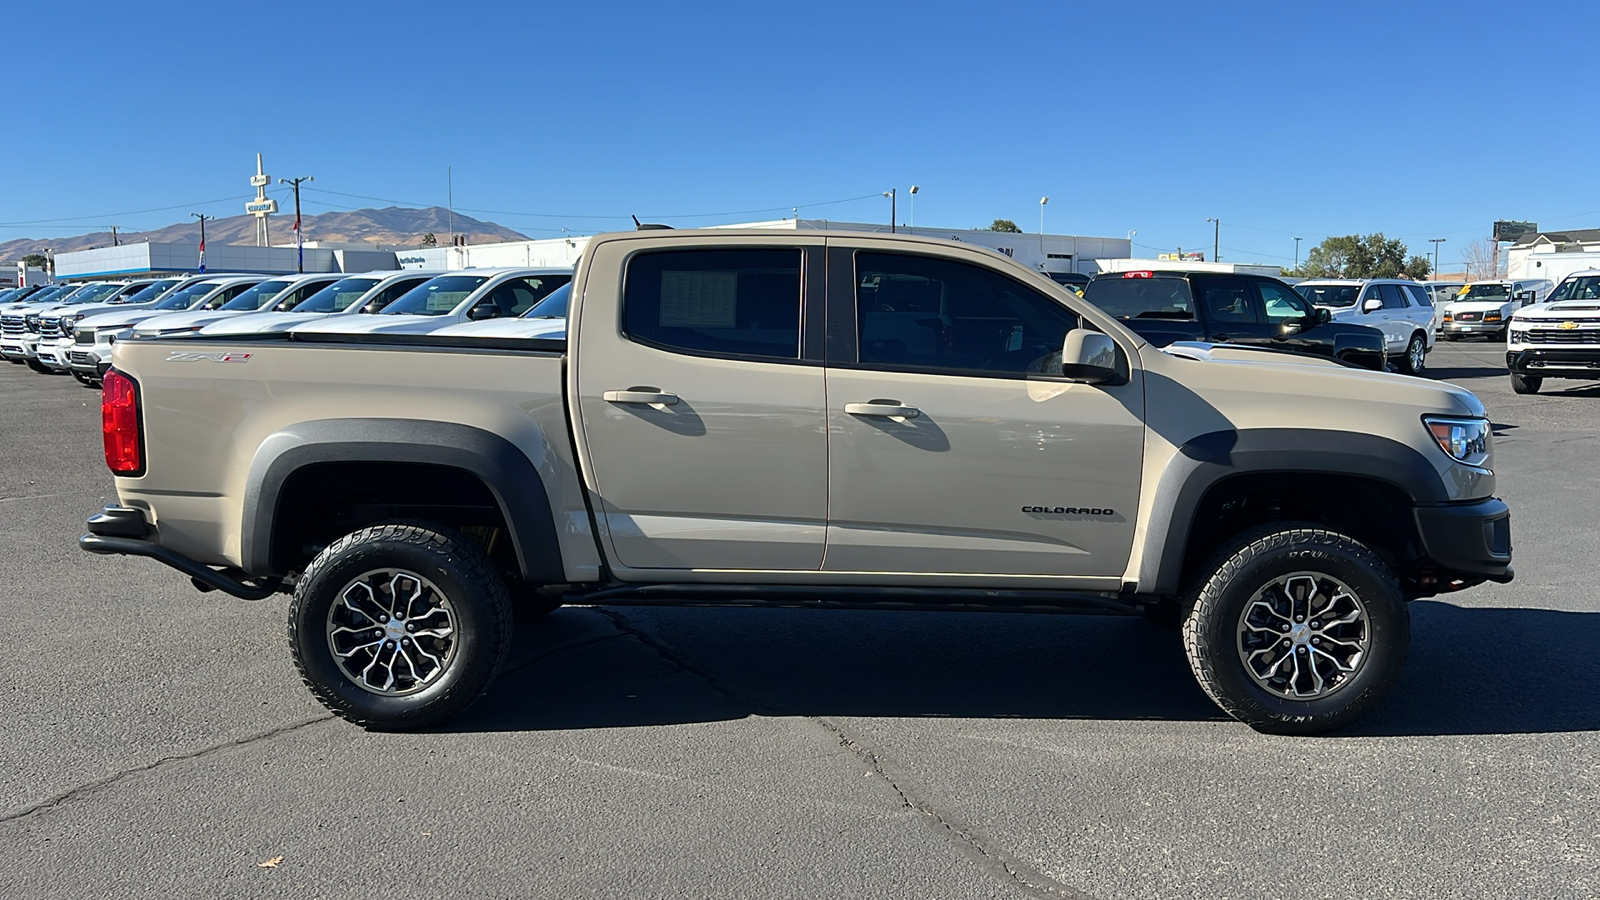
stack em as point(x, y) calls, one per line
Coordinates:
point(1164, 307)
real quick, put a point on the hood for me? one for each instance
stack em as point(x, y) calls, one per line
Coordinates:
point(91, 309)
point(184, 321)
point(1563, 309)
point(122, 318)
point(377, 324)
point(550, 329)
point(263, 322)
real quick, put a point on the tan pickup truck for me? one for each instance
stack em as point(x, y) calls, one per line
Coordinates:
point(803, 419)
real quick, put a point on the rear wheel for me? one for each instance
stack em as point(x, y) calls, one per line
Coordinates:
point(399, 627)
point(1526, 384)
point(1294, 629)
point(1416, 356)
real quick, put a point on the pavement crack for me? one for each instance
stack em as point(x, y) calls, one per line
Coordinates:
point(672, 657)
point(978, 847)
point(86, 789)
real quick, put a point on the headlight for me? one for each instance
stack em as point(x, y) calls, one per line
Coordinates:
point(1517, 332)
point(66, 324)
point(1493, 315)
point(33, 323)
point(1464, 440)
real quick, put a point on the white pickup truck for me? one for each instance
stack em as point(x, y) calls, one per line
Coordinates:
point(793, 419)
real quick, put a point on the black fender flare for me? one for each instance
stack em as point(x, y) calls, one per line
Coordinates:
point(1210, 459)
point(509, 474)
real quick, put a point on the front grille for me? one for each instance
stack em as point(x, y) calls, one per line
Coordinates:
point(1466, 317)
point(83, 335)
point(12, 326)
point(49, 329)
point(1556, 336)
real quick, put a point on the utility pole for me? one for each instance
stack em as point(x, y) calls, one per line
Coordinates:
point(890, 193)
point(1216, 241)
point(114, 241)
point(201, 269)
point(1436, 242)
point(1297, 254)
point(1043, 201)
point(299, 242)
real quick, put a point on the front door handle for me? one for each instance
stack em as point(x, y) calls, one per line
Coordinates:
point(640, 395)
point(891, 408)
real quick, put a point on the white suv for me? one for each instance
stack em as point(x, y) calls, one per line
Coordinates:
point(1401, 309)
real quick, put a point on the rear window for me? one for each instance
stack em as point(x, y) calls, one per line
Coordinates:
point(1335, 296)
point(733, 302)
point(1142, 298)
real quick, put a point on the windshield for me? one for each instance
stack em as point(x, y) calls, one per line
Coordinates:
point(1583, 287)
point(552, 307)
point(148, 292)
point(435, 297)
point(95, 292)
point(187, 297)
point(333, 298)
point(255, 297)
point(1485, 292)
point(1334, 295)
point(1142, 298)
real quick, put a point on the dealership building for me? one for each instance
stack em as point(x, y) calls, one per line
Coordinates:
point(146, 258)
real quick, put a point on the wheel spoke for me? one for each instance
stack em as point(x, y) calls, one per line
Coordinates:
point(388, 606)
point(1277, 649)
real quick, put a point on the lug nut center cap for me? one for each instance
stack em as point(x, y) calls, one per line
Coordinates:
point(1300, 634)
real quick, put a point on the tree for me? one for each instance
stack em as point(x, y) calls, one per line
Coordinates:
point(1358, 256)
point(35, 261)
point(1479, 258)
point(1005, 225)
point(428, 240)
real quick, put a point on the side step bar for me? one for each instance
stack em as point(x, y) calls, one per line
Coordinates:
point(791, 596)
point(122, 530)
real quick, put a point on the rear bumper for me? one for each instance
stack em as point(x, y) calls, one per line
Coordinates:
point(124, 530)
point(1469, 540)
point(1552, 362)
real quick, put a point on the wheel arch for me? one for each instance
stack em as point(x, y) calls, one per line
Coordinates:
point(504, 474)
point(1362, 482)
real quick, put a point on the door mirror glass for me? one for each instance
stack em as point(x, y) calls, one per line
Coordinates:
point(1324, 316)
point(1371, 304)
point(1089, 357)
point(485, 310)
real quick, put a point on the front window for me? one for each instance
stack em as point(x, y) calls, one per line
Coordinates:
point(333, 298)
point(254, 298)
point(551, 307)
point(1333, 296)
point(1499, 293)
point(436, 296)
point(186, 297)
point(1583, 287)
point(1281, 303)
point(94, 292)
point(1155, 297)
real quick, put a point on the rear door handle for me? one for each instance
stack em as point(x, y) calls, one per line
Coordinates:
point(891, 408)
point(640, 395)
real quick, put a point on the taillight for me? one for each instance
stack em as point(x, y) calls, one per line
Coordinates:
point(119, 422)
point(1137, 274)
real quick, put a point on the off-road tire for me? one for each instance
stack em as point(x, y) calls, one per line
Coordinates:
point(1526, 384)
point(1405, 363)
point(1228, 582)
point(460, 570)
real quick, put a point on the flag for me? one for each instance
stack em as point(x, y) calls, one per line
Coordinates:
point(202, 269)
point(299, 250)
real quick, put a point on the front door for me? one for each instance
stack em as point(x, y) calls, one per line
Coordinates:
point(702, 414)
point(955, 446)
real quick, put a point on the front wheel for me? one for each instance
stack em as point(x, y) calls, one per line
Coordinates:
point(40, 367)
point(1294, 629)
point(1416, 356)
point(85, 380)
point(1525, 384)
point(400, 626)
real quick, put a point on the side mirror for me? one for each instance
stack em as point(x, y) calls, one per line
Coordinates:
point(1372, 304)
point(1089, 357)
point(484, 311)
point(1324, 316)
point(1525, 297)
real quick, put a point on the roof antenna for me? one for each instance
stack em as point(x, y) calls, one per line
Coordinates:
point(648, 226)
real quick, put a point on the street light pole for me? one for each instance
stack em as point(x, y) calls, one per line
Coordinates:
point(1436, 242)
point(201, 269)
point(890, 193)
point(299, 248)
point(1216, 240)
point(1297, 254)
point(914, 190)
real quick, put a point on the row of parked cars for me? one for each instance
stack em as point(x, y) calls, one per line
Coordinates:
point(72, 328)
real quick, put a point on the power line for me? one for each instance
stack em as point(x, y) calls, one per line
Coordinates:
point(134, 212)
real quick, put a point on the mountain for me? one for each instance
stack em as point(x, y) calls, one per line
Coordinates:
point(392, 226)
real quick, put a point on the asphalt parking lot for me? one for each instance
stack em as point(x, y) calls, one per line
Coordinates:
point(157, 743)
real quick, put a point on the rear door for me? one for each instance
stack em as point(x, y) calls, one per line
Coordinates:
point(701, 404)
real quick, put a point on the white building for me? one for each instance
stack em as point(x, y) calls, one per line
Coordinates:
point(146, 258)
point(1554, 254)
point(1176, 265)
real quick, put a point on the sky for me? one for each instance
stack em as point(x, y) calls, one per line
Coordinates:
point(1282, 119)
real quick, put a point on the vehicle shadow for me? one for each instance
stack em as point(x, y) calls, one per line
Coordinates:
point(1471, 670)
point(1453, 373)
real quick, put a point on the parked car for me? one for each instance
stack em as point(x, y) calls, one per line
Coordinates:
point(21, 344)
point(263, 294)
point(1484, 307)
point(1254, 310)
point(47, 350)
point(449, 298)
point(365, 293)
point(1559, 338)
point(547, 319)
point(724, 426)
point(94, 337)
point(1400, 309)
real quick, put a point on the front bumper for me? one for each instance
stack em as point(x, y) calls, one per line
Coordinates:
point(55, 354)
point(1552, 362)
point(1490, 329)
point(1468, 541)
point(124, 530)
